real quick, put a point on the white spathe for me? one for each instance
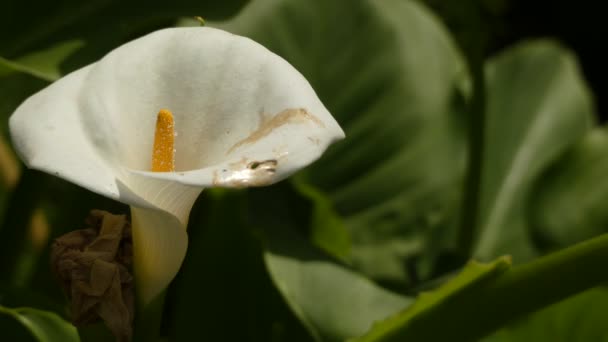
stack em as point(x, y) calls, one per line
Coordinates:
point(243, 117)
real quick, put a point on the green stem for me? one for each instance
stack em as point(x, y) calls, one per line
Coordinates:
point(488, 305)
point(474, 51)
point(471, 202)
point(148, 319)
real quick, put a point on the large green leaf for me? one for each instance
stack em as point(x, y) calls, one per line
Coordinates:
point(483, 297)
point(387, 71)
point(580, 318)
point(538, 105)
point(333, 301)
point(422, 321)
point(44, 326)
point(224, 282)
point(569, 204)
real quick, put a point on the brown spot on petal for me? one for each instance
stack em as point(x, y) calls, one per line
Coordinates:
point(315, 141)
point(266, 126)
point(94, 265)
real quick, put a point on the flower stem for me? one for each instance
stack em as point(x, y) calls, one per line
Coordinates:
point(148, 318)
point(477, 108)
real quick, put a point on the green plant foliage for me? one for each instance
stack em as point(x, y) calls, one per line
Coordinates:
point(392, 90)
point(365, 238)
point(573, 193)
point(407, 325)
point(102, 24)
point(44, 326)
point(538, 106)
point(327, 227)
point(501, 297)
point(308, 279)
point(42, 64)
point(316, 286)
point(223, 292)
point(580, 318)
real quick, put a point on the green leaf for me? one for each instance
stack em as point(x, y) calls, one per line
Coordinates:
point(333, 301)
point(569, 201)
point(49, 40)
point(483, 298)
point(327, 227)
point(42, 64)
point(24, 27)
point(538, 105)
point(223, 291)
point(44, 325)
point(249, 264)
point(387, 71)
point(6, 68)
point(408, 325)
point(580, 318)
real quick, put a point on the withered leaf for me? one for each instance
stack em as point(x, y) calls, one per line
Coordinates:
point(94, 267)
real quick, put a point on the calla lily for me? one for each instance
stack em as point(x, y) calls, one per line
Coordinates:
point(243, 117)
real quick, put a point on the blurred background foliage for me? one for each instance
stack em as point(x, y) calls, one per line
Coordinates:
point(386, 213)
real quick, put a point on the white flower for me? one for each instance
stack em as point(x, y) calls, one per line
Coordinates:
point(243, 117)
